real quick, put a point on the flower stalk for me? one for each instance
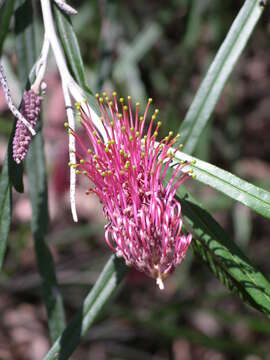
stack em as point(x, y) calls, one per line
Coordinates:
point(71, 90)
point(10, 103)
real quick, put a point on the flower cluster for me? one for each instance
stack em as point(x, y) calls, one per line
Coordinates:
point(127, 171)
point(30, 109)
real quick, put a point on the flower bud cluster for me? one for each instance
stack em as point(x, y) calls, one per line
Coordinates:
point(30, 109)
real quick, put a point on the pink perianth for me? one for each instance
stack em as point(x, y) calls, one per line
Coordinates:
point(128, 171)
point(30, 109)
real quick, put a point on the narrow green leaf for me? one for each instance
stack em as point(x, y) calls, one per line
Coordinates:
point(35, 164)
point(240, 190)
point(100, 294)
point(25, 50)
point(11, 175)
point(70, 45)
point(6, 11)
point(5, 210)
point(222, 255)
point(25, 39)
point(209, 92)
point(72, 51)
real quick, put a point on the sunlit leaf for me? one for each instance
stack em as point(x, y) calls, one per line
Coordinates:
point(240, 190)
point(210, 90)
point(100, 294)
point(227, 262)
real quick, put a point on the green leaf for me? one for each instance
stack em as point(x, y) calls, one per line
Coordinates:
point(100, 294)
point(6, 11)
point(25, 39)
point(35, 164)
point(11, 175)
point(209, 92)
point(72, 51)
point(25, 50)
point(70, 45)
point(5, 210)
point(240, 190)
point(221, 254)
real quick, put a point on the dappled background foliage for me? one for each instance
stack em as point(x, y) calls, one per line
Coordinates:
point(161, 50)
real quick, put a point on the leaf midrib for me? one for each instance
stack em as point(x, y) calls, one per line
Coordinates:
point(229, 253)
point(234, 186)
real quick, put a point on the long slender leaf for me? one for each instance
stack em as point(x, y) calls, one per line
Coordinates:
point(71, 46)
point(11, 175)
point(72, 51)
point(35, 163)
point(240, 190)
point(6, 11)
point(9, 168)
point(38, 194)
point(222, 255)
point(5, 210)
point(209, 92)
point(100, 294)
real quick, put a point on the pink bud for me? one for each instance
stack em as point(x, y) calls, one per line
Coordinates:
point(30, 109)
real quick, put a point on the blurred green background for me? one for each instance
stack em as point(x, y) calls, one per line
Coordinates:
point(158, 49)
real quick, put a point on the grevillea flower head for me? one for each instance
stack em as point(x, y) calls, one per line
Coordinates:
point(30, 109)
point(127, 171)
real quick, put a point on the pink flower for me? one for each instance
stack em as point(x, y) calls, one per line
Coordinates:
point(128, 171)
point(30, 109)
